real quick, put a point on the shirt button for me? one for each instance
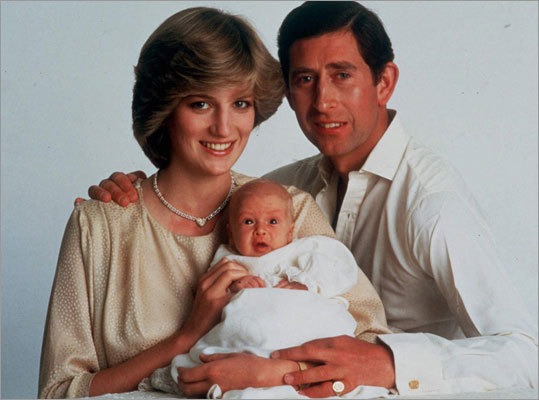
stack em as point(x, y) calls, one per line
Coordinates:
point(413, 384)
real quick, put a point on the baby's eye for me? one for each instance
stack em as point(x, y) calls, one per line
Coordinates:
point(247, 221)
point(200, 105)
point(273, 221)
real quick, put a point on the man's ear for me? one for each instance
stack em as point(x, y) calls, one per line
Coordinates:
point(288, 98)
point(387, 83)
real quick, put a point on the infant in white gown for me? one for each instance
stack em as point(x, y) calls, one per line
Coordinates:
point(261, 317)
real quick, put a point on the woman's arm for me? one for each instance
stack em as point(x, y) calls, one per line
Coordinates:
point(72, 357)
point(248, 371)
point(125, 377)
point(210, 299)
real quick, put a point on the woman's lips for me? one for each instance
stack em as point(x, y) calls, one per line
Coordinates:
point(217, 148)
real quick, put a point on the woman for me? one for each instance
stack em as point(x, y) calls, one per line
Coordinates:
point(131, 289)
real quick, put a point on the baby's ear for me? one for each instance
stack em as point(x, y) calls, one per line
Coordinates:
point(291, 233)
point(230, 238)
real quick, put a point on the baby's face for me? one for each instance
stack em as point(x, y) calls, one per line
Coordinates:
point(259, 224)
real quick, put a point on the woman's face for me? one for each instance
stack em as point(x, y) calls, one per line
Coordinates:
point(209, 130)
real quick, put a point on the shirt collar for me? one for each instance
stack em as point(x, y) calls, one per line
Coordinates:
point(325, 167)
point(386, 156)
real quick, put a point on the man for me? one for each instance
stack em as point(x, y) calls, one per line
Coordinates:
point(407, 216)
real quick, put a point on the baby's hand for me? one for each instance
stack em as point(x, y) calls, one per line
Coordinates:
point(284, 284)
point(247, 282)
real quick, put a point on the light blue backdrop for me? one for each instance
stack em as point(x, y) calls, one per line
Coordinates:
point(467, 89)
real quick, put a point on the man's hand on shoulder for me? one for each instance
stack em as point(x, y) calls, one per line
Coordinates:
point(349, 360)
point(118, 188)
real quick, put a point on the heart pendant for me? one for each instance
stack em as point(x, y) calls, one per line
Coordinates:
point(201, 222)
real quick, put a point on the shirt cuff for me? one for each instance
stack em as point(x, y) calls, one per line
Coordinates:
point(418, 368)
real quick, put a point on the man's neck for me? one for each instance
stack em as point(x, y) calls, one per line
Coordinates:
point(354, 160)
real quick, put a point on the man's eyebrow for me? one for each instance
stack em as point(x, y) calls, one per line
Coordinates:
point(301, 70)
point(341, 65)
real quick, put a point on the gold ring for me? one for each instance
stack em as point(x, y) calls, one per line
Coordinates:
point(338, 387)
point(302, 367)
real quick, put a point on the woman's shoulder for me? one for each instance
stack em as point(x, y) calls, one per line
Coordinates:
point(94, 212)
point(241, 179)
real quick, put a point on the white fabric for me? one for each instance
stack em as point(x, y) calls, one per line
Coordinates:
point(288, 392)
point(417, 233)
point(520, 393)
point(262, 320)
point(321, 263)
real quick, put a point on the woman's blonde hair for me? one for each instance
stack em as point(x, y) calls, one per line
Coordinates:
point(198, 49)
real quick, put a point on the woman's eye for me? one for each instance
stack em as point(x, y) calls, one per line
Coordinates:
point(200, 105)
point(273, 221)
point(247, 221)
point(242, 104)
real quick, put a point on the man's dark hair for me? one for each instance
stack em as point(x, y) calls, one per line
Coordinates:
point(315, 18)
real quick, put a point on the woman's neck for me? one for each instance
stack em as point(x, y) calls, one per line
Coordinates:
point(197, 196)
point(194, 195)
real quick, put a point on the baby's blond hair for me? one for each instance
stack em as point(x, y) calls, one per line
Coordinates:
point(257, 185)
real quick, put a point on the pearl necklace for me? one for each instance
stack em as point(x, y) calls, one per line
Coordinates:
point(199, 221)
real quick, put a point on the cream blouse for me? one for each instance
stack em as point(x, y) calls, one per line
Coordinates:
point(124, 283)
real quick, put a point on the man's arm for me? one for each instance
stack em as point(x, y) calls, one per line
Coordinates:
point(453, 247)
point(449, 241)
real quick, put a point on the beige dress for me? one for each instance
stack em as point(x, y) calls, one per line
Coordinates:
point(124, 283)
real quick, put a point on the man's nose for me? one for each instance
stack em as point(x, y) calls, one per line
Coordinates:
point(324, 96)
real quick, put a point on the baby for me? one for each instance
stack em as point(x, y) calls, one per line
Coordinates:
point(261, 231)
point(260, 222)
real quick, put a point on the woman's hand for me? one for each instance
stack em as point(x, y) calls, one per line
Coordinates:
point(211, 296)
point(233, 371)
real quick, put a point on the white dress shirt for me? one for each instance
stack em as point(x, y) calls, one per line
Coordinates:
point(418, 234)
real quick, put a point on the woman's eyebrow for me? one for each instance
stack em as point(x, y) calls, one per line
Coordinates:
point(207, 96)
point(201, 95)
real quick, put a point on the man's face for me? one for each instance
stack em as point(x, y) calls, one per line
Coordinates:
point(333, 94)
